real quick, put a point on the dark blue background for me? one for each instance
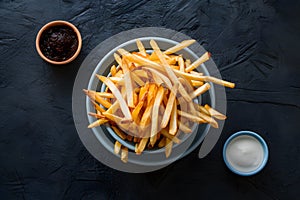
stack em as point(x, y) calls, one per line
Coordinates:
point(254, 43)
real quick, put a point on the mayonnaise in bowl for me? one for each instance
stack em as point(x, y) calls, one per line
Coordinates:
point(245, 153)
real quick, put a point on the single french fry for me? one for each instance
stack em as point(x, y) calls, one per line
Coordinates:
point(181, 63)
point(200, 90)
point(106, 95)
point(152, 92)
point(205, 57)
point(173, 120)
point(118, 96)
point(141, 145)
point(219, 81)
point(113, 70)
point(129, 89)
point(154, 119)
point(169, 145)
point(117, 147)
point(145, 120)
point(162, 142)
point(197, 83)
point(179, 46)
point(118, 59)
point(169, 107)
point(117, 80)
point(190, 117)
point(97, 123)
point(124, 154)
point(141, 47)
point(215, 113)
point(120, 133)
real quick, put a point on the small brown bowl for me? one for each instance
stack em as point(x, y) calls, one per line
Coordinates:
point(51, 25)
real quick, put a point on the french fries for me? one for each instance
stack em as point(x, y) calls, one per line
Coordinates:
point(148, 99)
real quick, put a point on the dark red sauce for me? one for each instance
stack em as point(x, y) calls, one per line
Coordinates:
point(58, 43)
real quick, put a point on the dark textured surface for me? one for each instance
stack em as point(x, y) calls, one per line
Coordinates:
point(254, 43)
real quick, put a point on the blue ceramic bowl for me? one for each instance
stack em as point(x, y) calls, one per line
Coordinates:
point(264, 147)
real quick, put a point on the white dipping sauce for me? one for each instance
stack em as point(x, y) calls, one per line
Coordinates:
point(245, 153)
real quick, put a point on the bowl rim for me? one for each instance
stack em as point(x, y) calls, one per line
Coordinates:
point(57, 23)
point(259, 139)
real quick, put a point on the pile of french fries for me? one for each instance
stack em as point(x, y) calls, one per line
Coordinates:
point(149, 97)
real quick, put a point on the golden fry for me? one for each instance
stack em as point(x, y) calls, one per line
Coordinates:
point(129, 89)
point(173, 120)
point(214, 113)
point(124, 154)
point(97, 123)
point(169, 107)
point(179, 46)
point(205, 57)
point(181, 63)
point(141, 47)
point(106, 95)
point(120, 133)
point(141, 145)
point(169, 145)
point(162, 143)
point(117, 147)
point(200, 90)
point(154, 119)
point(113, 70)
